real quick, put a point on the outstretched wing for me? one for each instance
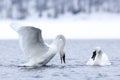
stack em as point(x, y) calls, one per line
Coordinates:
point(31, 35)
point(31, 41)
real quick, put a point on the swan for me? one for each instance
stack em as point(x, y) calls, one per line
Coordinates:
point(98, 58)
point(38, 52)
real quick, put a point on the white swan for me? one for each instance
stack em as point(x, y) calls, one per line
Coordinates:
point(98, 58)
point(32, 44)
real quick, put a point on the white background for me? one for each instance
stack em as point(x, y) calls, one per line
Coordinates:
point(95, 26)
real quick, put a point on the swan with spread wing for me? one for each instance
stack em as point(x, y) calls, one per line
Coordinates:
point(34, 47)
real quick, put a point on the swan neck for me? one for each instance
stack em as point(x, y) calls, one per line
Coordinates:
point(59, 38)
point(59, 42)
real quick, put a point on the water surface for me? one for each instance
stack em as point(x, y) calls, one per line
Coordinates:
point(77, 54)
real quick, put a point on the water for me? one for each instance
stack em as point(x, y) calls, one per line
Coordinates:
point(77, 54)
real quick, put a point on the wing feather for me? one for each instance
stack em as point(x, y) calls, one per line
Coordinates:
point(31, 41)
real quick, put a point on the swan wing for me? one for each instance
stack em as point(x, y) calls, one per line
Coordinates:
point(105, 59)
point(31, 41)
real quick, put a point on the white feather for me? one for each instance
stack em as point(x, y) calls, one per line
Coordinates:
point(32, 44)
point(100, 59)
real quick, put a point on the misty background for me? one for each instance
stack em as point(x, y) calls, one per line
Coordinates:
point(23, 9)
point(78, 19)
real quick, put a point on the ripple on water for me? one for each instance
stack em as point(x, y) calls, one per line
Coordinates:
point(101, 75)
point(37, 76)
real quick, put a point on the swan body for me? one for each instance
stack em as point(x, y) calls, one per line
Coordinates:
point(98, 58)
point(37, 52)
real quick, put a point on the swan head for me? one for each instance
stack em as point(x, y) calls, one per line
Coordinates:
point(62, 56)
point(96, 51)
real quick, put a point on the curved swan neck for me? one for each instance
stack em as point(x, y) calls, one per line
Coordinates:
point(61, 37)
point(61, 46)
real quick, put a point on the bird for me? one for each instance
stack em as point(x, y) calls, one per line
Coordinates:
point(36, 50)
point(98, 58)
